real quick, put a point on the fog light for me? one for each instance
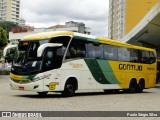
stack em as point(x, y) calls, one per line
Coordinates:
point(11, 86)
point(36, 86)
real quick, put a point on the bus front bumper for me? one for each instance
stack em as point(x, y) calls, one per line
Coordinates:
point(36, 86)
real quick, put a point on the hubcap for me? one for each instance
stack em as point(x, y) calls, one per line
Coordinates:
point(141, 86)
point(70, 88)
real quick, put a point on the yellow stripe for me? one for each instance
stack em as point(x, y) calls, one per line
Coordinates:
point(117, 43)
point(46, 35)
point(16, 77)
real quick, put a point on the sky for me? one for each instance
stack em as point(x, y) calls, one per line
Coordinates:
point(45, 13)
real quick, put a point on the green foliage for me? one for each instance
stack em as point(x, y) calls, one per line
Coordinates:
point(5, 28)
point(7, 25)
point(3, 40)
point(11, 54)
point(1, 53)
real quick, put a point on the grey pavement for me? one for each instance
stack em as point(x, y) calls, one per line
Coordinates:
point(13, 100)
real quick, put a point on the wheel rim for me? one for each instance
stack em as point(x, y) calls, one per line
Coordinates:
point(133, 87)
point(141, 86)
point(70, 88)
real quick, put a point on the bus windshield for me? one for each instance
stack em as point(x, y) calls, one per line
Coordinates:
point(27, 61)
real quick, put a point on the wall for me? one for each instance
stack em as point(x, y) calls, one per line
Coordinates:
point(136, 10)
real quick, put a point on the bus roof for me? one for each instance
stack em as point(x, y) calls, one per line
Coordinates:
point(47, 35)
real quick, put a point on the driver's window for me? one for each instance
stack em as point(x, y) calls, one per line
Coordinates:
point(49, 59)
point(33, 50)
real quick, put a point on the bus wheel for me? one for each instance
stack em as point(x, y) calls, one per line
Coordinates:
point(141, 85)
point(69, 89)
point(132, 86)
point(42, 93)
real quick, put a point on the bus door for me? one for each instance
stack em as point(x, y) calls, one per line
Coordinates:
point(51, 74)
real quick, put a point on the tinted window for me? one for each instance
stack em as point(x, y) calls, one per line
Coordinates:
point(62, 40)
point(77, 49)
point(110, 52)
point(133, 55)
point(152, 58)
point(52, 59)
point(123, 54)
point(145, 56)
point(95, 51)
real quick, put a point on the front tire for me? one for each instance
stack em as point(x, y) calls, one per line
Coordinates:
point(69, 89)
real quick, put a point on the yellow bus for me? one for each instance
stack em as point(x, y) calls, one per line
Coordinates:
point(68, 62)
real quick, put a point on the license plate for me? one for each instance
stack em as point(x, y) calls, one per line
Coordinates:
point(21, 88)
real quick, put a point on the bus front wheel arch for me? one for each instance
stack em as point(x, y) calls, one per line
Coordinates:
point(70, 87)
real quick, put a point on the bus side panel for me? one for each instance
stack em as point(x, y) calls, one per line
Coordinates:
point(103, 74)
point(152, 80)
point(52, 80)
point(75, 69)
point(120, 74)
point(91, 74)
point(134, 71)
point(151, 72)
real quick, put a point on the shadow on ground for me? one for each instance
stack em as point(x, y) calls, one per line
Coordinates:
point(76, 94)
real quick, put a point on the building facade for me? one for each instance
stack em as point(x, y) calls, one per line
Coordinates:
point(124, 15)
point(10, 10)
point(17, 33)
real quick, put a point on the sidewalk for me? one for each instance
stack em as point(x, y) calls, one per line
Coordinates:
point(4, 72)
point(157, 85)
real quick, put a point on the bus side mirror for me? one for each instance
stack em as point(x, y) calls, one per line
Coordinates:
point(42, 47)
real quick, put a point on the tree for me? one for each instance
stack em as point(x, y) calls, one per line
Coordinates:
point(11, 55)
point(7, 25)
point(3, 40)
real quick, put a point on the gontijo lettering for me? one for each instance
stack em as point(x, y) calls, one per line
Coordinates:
point(130, 67)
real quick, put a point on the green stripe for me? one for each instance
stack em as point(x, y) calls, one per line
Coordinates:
point(101, 71)
point(108, 72)
point(31, 76)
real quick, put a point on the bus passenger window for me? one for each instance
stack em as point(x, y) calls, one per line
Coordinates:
point(152, 58)
point(110, 52)
point(123, 54)
point(145, 56)
point(95, 51)
point(133, 55)
point(73, 52)
point(77, 49)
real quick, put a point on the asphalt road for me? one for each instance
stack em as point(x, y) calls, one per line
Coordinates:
point(13, 100)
